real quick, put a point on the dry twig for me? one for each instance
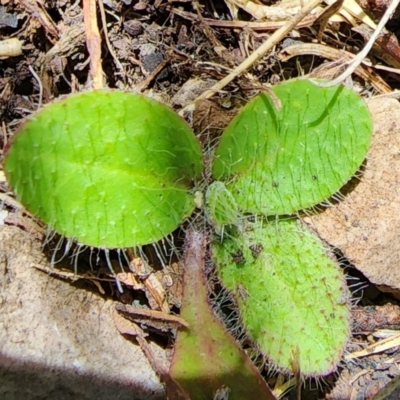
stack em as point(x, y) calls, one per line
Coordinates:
point(93, 42)
point(32, 71)
point(364, 72)
point(151, 314)
point(328, 12)
point(143, 85)
point(110, 48)
point(254, 25)
point(377, 347)
point(360, 56)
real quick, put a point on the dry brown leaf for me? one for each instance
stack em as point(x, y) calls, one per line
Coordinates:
point(129, 279)
point(154, 289)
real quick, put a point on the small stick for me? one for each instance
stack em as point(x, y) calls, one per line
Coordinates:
point(255, 26)
point(93, 42)
point(151, 314)
point(5, 198)
point(143, 85)
point(259, 53)
point(32, 71)
point(362, 54)
point(325, 16)
point(364, 71)
point(110, 48)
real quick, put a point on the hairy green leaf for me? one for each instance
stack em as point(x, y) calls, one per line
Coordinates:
point(110, 169)
point(291, 295)
point(278, 161)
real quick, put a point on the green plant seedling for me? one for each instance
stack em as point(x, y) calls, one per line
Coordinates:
point(278, 161)
point(113, 170)
point(291, 295)
point(110, 169)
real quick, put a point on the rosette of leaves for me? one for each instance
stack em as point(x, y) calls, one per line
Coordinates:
point(113, 169)
point(274, 162)
point(110, 169)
